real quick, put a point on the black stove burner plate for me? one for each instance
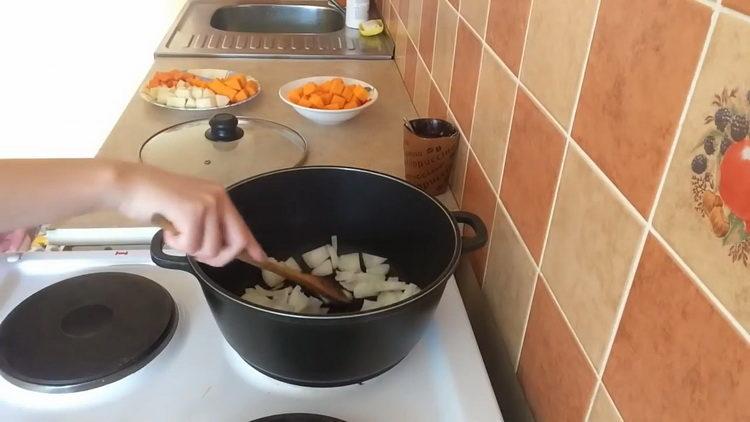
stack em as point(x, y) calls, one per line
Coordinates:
point(85, 332)
point(297, 417)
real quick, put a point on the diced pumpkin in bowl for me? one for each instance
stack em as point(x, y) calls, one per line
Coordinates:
point(338, 100)
point(337, 86)
point(361, 93)
point(218, 87)
point(295, 95)
point(233, 83)
point(348, 93)
point(325, 86)
point(309, 88)
point(351, 104)
point(305, 102)
point(240, 96)
point(332, 107)
point(316, 101)
point(326, 98)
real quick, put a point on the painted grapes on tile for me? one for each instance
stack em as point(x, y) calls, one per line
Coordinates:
point(720, 167)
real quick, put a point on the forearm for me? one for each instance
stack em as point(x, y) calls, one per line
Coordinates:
point(34, 192)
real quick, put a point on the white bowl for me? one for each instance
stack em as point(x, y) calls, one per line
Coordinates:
point(327, 117)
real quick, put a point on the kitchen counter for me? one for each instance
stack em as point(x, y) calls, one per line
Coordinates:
point(372, 140)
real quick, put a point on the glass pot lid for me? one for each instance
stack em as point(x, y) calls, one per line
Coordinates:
point(225, 148)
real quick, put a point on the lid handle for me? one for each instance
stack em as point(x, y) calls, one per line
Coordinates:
point(224, 128)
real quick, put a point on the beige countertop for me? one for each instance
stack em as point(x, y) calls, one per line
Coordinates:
point(372, 140)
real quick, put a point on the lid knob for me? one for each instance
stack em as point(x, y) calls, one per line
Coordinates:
point(224, 128)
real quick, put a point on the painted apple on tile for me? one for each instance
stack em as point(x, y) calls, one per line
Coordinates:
point(721, 172)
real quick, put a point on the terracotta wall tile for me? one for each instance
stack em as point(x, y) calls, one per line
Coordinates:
point(603, 410)
point(411, 67)
point(592, 243)
point(492, 117)
point(556, 48)
point(508, 283)
point(675, 357)
point(403, 11)
point(738, 5)
point(506, 30)
point(427, 30)
point(455, 3)
point(458, 173)
point(414, 20)
point(445, 40)
point(554, 373)
point(680, 216)
point(465, 77)
point(437, 107)
point(422, 84)
point(401, 40)
point(475, 12)
point(641, 63)
point(532, 165)
point(480, 199)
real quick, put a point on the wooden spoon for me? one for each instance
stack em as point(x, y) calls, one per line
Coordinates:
point(321, 286)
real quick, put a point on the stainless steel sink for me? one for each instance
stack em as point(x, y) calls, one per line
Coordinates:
point(278, 19)
point(268, 28)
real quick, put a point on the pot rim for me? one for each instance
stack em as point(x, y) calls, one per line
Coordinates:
point(443, 277)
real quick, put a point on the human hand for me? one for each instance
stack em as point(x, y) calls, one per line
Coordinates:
point(208, 225)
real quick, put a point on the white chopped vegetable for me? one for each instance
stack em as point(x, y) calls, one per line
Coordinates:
point(292, 263)
point(334, 256)
point(379, 269)
point(369, 277)
point(190, 103)
point(372, 260)
point(369, 304)
point(221, 100)
point(323, 269)
point(176, 102)
point(207, 93)
point(349, 262)
point(298, 301)
point(181, 84)
point(344, 276)
point(272, 279)
point(335, 243)
point(164, 96)
point(206, 102)
point(256, 297)
point(153, 92)
point(370, 288)
point(196, 92)
point(182, 92)
point(394, 278)
point(315, 257)
point(410, 290)
point(388, 298)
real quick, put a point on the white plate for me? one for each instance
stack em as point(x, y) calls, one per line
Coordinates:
point(327, 117)
point(207, 75)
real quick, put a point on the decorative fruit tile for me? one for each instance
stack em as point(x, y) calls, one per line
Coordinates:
point(411, 67)
point(422, 84)
point(458, 173)
point(532, 165)
point(480, 199)
point(591, 247)
point(445, 41)
point(675, 358)
point(427, 30)
point(475, 12)
point(465, 77)
point(704, 208)
point(494, 108)
point(414, 20)
point(506, 29)
point(642, 61)
point(508, 283)
point(738, 5)
point(554, 373)
point(555, 52)
point(437, 108)
point(603, 410)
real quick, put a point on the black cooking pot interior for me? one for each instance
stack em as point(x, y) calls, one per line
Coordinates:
point(296, 210)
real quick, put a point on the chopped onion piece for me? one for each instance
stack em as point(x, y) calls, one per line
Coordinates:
point(298, 300)
point(256, 297)
point(270, 278)
point(349, 262)
point(368, 277)
point(292, 263)
point(344, 276)
point(394, 278)
point(371, 288)
point(334, 256)
point(410, 290)
point(335, 243)
point(379, 269)
point(315, 257)
point(369, 304)
point(372, 260)
point(388, 298)
point(323, 269)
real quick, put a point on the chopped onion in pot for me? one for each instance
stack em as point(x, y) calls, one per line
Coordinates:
point(378, 269)
point(292, 263)
point(270, 278)
point(372, 260)
point(316, 256)
point(344, 276)
point(334, 256)
point(326, 268)
point(349, 262)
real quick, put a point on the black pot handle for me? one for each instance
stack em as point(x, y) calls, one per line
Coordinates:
point(166, 261)
point(469, 244)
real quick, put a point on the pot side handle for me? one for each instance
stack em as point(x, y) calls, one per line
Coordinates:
point(166, 261)
point(479, 239)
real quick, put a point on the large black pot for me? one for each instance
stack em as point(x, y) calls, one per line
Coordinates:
point(295, 210)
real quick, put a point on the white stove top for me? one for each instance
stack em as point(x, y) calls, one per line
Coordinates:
point(198, 377)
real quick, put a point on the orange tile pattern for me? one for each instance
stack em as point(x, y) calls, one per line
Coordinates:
point(615, 329)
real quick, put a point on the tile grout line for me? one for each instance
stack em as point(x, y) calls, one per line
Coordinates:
point(707, 293)
point(587, 416)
